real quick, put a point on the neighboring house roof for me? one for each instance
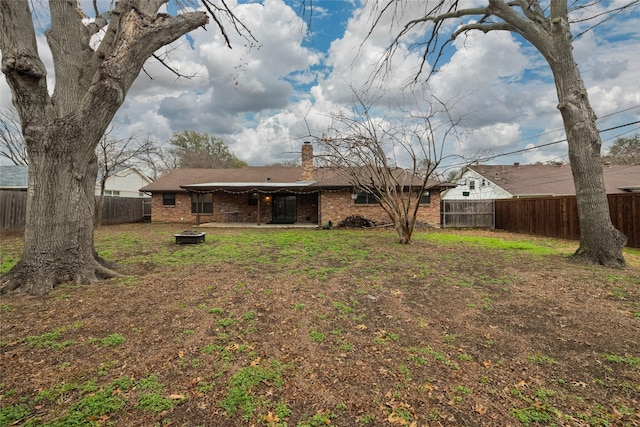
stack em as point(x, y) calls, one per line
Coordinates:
point(17, 177)
point(14, 177)
point(553, 180)
point(267, 178)
point(123, 171)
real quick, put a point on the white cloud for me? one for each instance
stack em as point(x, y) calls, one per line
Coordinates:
point(262, 97)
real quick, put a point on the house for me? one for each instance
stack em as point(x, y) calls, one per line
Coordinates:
point(271, 194)
point(487, 182)
point(14, 177)
point(125, 182)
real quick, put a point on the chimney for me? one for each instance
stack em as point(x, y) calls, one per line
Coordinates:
point(307, 162)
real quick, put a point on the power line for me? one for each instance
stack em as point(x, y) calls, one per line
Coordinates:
point(523, 150)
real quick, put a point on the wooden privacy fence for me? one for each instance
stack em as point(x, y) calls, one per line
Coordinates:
point(116, 210)
point(13, 210)
point(467, 213)
point(558, 216)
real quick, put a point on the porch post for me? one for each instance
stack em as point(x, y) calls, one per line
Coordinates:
point(198, 201)
point(259, 208)
point(320, 207)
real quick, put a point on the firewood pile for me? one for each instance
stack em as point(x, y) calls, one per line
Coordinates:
point(356, 221)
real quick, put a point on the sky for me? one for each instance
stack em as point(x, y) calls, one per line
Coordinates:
point(264, 97)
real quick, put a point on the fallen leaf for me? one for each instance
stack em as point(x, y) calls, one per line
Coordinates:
point(177, 396)
point(362, 327)
point(271, 418)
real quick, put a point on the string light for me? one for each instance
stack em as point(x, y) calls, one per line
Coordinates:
point(284, 190)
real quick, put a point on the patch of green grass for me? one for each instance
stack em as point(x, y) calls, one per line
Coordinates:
point(317, 336)
point(93, 401)
point(401, 415)
point(625, 360)
point(417, 354)
point(541, 359)
point(367, 419)
point(227, 322)
point(155, 402)
point(7, 262)
point(533, 414)
point(493, 243)
point(50, 339)
point(538, 409)
point(112, 340)
point(343, 308)
point(11, 414)
point(243, 387)
point(465, 357)
point(320, 419)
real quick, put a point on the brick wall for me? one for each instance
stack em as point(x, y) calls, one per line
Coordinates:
point(336, 206)
point(181, 212)
point(229, 207)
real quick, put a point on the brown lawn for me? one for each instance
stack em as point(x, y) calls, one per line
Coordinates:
point(316, 327)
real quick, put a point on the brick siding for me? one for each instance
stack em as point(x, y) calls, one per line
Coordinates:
point(335, 206)
point(230, 207)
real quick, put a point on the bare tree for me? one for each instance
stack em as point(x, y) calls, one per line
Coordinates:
point(391, 159)
point(62, 128)
point(547, 26)
point(114, 154)
point(11, 142)
point(624, 151)
point(159, 162)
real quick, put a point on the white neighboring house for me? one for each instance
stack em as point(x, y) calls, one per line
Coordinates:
point(487, 182)
point(125, 182)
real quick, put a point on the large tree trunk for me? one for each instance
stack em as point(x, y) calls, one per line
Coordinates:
point(600, 242)
point(58, 243)
point(61, 132)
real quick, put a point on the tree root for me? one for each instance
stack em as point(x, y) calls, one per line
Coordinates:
point(25, 279)
point(586, 258)
point(103, 272)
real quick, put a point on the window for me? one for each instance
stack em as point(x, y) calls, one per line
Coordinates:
point(112, 193)
point(168, 199)
point(472, 184)
point(426, 198)
point(202, 203)
point(366, 199)
point(253, 199)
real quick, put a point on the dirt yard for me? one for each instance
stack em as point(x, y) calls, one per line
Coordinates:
point(318, 327)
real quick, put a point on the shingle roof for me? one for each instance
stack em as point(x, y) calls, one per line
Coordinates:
point(173, 180)
point(12, 176)
point(521, 180)
point(250, 176)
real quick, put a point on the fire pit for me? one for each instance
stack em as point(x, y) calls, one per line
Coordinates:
point(190, 236)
